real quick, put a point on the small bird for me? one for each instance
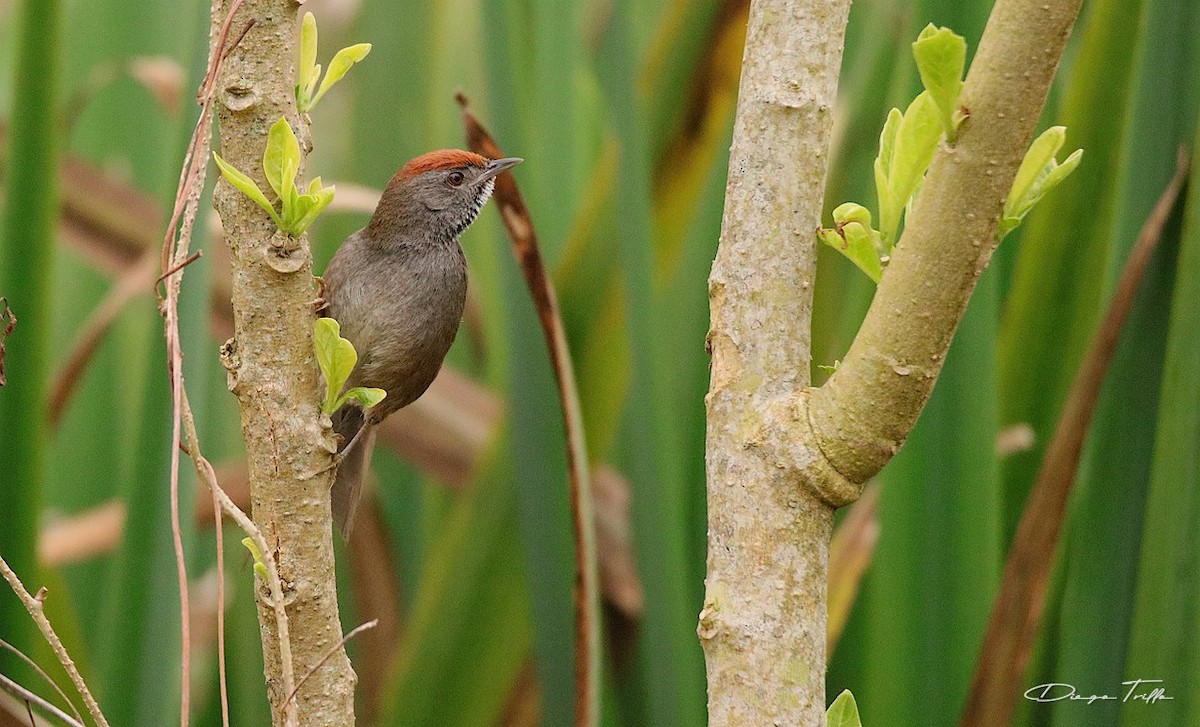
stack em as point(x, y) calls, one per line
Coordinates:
point(397, 289)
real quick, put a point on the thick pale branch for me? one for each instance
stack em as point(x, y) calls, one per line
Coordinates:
point(859, 419)
point(763, 622)
point(273, 373)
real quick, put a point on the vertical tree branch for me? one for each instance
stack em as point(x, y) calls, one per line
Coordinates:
point(781, 456)
point(763, 623)
point(273, 372)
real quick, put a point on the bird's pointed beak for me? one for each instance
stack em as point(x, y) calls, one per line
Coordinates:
point(495, 166)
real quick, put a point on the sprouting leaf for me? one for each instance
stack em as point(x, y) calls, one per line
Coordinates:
point(887, 142)
point(248, 543)
point(366, 396)
point(843, 712)
point(916, 141)
point(854, 237)
point(309, 71)
point(1038, 174)
point(941, 56)
point(336, 358)
point(260, 568)
point(341, 63)
point(247, 186)
point(311, 205)
point(912, 142)
point(1041, 152)
point(282, 150)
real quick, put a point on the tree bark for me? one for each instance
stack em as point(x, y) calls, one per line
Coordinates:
point(763, 622)
point(273, 372)
point(781, 457)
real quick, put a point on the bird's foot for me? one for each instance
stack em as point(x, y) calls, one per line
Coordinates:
point(319, 304)
point(337, 459)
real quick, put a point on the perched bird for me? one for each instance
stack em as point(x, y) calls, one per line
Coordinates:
point(397, 289)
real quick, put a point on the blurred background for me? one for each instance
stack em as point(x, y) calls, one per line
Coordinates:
point(623, 112)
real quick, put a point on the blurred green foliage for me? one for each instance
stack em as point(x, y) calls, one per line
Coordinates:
point(623, 112)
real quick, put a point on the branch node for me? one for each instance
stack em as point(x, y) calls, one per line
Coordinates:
point(239, 97)
point(232, 362)
point(788, 438)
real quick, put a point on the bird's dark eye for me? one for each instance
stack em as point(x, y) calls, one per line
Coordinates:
point(455, 178)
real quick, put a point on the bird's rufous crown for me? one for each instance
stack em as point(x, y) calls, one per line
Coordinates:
point(441, 159)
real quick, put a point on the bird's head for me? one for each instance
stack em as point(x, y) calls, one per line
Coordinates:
point(436, 196)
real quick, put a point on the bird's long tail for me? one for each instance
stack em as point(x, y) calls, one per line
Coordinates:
point(347, 488)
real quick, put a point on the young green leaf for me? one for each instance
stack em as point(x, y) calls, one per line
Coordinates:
point(854, 237)
point(1038, 174)
point(366, 396)
point(336, 358)
point(247, 186)
point(941, 56)
point(1033, 165)
point(309, 206)
point(883, 163)
point(341, 63)
point(248, 544)
point(912, 143)
point(309, 71)
point(843, 712)
point(887, 143)
point(282, 154)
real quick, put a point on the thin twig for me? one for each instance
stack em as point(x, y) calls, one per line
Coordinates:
point(175, 256)
point(180, 266)
point(1017, 613)
point(35, 609)
point(221, 675)
point(238, 40)
point(29, 698)
point(329, 654)
point(587, 589)
point(45, 677)
point(274, 583)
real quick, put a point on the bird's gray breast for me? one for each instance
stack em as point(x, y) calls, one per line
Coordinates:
point(401, 309)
